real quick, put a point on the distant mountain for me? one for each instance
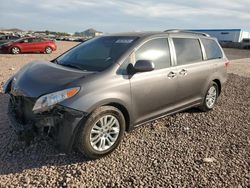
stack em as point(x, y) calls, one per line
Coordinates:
point(13, 30)
point(88, 33)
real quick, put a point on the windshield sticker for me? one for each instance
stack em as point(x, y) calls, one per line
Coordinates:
point(126, 41)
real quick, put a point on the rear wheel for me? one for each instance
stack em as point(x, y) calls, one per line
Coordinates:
point(101, 133)
point(48, 50)
point(210, 97)
point(15, 50)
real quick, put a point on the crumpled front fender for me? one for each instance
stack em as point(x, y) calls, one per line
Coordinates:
point(67, 131)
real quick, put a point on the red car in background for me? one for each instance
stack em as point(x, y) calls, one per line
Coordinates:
point(30, 44)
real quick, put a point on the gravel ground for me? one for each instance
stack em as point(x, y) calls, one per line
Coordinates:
point(189, 149)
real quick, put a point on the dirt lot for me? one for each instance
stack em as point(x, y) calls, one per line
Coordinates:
point(233, 53)
point(169, 152)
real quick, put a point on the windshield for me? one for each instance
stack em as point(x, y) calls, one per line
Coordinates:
point(96, 54)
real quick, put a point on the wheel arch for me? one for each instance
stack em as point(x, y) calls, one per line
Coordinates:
point(123, 110)
point(117, 104)
point(217, 81)
point(48, 46)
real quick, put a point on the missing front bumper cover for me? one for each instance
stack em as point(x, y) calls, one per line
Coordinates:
point(61, 123)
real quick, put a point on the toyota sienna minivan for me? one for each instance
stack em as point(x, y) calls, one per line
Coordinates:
point(90, 95)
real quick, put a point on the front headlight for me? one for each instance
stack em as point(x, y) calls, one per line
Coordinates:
point(47, 102)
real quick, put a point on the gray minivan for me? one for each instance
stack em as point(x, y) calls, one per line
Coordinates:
point(90, 95)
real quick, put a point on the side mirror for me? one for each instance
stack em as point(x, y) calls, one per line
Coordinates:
point(144, 66)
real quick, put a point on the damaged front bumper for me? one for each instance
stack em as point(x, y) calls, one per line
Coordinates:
point(60, 122)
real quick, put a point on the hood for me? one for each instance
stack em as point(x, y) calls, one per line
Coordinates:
point(39, 78)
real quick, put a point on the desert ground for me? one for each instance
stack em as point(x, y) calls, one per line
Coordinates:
point(188, 149)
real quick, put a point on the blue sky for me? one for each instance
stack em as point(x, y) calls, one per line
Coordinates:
point(123, 15)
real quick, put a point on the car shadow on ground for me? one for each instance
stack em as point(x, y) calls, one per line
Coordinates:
point(194, 110)
point(16, 156)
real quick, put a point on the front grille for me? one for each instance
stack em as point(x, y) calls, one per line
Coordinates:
point(22, 108)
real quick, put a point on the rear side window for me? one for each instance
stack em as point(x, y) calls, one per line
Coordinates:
point(156, 50)
point(212, 49)
point(36, 40)
point(30, 39)
point(188, 50)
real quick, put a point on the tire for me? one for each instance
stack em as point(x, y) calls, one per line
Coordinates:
point(210, 97)
point(48, 50)
point(91, 135)
point(15, 50)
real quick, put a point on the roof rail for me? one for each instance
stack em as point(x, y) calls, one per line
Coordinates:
point(186, 31)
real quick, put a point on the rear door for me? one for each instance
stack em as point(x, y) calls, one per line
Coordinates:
point(153, 93)
point(39, 44)
point(193, 72)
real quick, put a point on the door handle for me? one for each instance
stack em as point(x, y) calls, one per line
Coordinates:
point(171, 75)
point(183, 72)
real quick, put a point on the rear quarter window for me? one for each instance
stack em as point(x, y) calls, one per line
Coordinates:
point(188, 50)
point(212, 49)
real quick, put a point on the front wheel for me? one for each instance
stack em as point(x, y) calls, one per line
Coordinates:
point(210, 97)
point(101, 133)
point(15, 50)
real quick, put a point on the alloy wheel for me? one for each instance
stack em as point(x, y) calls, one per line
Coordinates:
point(15, 50)
point(104, 133)
point(211, 96)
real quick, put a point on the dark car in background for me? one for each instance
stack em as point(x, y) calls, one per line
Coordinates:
point(101, 88)
point(8, 38)
point(29, 44)
point(245, 43)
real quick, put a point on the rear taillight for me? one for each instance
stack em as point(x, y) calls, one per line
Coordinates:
point(226, 64)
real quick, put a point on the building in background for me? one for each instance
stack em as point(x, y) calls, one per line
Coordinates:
point(227, 35)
